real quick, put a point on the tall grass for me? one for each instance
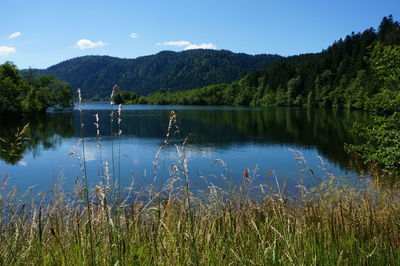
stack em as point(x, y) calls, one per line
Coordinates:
point(336, 227)
point(171, 226)
point(85, 177)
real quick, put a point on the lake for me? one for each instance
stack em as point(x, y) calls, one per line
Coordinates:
point(290, 141)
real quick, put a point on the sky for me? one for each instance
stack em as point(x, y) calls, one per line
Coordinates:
point(41, 33)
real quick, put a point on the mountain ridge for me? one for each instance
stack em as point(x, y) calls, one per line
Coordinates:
point(166, 70)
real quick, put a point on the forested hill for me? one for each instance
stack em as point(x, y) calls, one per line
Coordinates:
point(340, 76)
point(167, 70)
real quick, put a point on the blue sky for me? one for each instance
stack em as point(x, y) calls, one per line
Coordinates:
point(41, 33)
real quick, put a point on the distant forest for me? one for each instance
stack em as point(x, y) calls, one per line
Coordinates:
point(341, 76)
point(166, 71)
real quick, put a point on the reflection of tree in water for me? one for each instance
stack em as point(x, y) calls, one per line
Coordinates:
point(324, 129)
point(43, 132)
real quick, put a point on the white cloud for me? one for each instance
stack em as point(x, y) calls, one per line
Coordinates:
point(84, 44)
point(174, 43)
point(14, 35)
point(5, 50)
point(134, 35)
point(22, 163)
point(188, 45)
point(201, 46)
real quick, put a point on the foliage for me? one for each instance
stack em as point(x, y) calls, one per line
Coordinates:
point(30, 93)
point(382, 134)
point(340, 76)
point(167, 70)
point(13, 89)
point(124, 97)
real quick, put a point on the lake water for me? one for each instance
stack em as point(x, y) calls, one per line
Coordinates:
point(259, 139)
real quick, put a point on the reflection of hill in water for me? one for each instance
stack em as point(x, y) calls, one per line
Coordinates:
point(326, 130)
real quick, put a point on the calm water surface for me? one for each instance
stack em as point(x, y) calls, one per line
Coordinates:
point(258, 139)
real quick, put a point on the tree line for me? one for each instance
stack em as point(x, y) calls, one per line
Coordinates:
point(340, 76)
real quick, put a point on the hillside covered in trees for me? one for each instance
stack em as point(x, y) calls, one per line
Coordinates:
point(167, 70)
point(340, 76)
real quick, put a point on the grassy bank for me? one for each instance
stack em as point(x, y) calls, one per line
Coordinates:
point(324, 227)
